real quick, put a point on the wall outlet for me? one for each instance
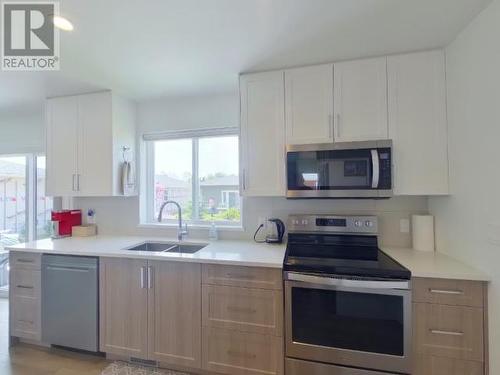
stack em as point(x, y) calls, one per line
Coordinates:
point(404, 225)
point(262, 221)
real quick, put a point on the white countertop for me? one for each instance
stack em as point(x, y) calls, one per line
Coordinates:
point(434, 265)
point(242, 253)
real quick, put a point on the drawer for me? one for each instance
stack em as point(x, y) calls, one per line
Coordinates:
point(248, 277)
point(432, 365)
point(26, 318)
point(248, 310)
point(25, 260)
point(449, 331)
point(25, 283)
point(238, 353)
point(448, 292)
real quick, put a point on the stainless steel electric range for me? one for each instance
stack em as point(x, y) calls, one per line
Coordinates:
point(347, 303)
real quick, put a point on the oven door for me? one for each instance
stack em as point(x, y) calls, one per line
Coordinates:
point(357, 323)
point(320, 171)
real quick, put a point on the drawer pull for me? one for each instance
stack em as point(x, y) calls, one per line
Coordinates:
point(233, 353)
point(25, 321)
point(25, 261)
point(447, 333)
point(242, 309)
point(24, 287)
point(240, 276)
point(444, 291)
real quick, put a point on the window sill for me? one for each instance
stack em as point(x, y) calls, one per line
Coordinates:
point(228, 228)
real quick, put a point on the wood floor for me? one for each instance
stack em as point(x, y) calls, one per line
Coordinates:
point(30, 360)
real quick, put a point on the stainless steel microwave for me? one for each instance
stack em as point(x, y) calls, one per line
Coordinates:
point(340, 170)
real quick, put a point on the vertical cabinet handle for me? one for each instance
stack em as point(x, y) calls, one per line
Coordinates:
point(74, 182)
point(338, 126)
point(150, 277)
point(244, 179)
point(143, 275)
point(77, 182)
point(330, 126)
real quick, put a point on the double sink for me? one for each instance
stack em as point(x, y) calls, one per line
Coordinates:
point(167, 247)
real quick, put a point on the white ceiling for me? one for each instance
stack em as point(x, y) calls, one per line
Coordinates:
point(153, 48)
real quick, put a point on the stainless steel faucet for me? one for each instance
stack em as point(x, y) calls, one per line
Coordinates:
point(180, 231)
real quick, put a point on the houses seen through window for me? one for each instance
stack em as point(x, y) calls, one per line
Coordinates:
point(201, 174)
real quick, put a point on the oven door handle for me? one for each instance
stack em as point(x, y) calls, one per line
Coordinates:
point(375, 169)
point(348, 283)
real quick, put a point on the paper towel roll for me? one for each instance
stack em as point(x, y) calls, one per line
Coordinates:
point(423, 232)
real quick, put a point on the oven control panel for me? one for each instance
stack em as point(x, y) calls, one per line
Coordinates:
point(333, 224)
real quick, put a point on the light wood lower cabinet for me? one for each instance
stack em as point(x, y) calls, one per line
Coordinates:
point(123, 307)
point(449, 327)
point(25, 296)
point(151, 310)
point(242, 320)
point(238, 353)
point(433, 365)
point(175, 313)
point(243, 309)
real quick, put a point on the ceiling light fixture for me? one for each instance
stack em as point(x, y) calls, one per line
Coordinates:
point(62, 23)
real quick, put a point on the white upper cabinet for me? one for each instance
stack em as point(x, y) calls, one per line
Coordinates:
point(309, 104)
point(418, 124)
point(85, 136)
point(262, 134)
point(62, 145)
point(360, 100)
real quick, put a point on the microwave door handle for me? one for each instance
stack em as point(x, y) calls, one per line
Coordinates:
point(375, 169)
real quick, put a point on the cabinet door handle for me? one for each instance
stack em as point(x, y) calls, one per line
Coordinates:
point(150, 277)
point(244, 179)
point(74, 182)
point(337, 129)
point(330, 126)
point(143, 275)
point(445, 291)
point(78, 182)
point(447, 333)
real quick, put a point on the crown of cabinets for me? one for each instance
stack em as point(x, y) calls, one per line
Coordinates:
point(402, 98)
point(85, 137)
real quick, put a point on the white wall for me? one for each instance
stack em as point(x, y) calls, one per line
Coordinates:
point(22, 133)
point(468, 222)
point(207, 111)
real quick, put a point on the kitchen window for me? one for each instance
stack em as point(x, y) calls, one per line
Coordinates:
point(199, 170)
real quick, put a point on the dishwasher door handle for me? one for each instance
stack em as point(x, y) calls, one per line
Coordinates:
point(68, 269)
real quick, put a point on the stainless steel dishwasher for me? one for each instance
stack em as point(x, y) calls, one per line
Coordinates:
point(70, 294)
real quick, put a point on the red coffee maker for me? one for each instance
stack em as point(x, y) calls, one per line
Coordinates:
point(63, 222)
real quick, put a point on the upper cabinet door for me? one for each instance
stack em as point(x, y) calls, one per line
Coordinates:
point(309, 104)
point(95, 172)
point(262, 134)
point(417, 123)
point(62, 146)
point(360, 100)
